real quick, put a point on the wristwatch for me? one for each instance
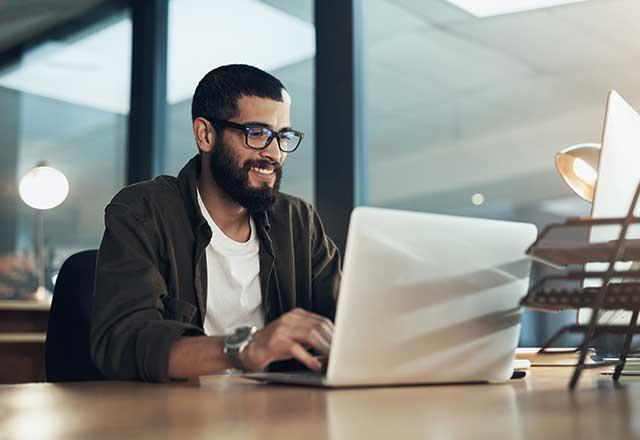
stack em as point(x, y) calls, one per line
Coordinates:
point(235, 343)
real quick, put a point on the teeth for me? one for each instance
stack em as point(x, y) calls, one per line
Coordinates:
point(262, 170)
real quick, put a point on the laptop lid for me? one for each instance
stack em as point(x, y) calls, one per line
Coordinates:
point(428, 298)
point(618, 178)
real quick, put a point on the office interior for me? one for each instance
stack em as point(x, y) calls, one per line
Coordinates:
point(452, 107)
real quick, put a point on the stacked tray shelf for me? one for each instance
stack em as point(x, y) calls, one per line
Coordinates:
point(617, 290)
point(622, 287)
point(619, 297)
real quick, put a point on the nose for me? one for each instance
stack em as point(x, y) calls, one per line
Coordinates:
point(272, 151)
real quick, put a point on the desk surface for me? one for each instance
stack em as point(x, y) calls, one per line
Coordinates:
point(20, 304)
point(224, 407)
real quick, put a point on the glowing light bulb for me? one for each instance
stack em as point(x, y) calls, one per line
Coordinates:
point(477, 199)
point(43, 187)
point(584, 171)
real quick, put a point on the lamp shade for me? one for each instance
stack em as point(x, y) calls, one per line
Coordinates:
point(43, 187)
point(578, 166)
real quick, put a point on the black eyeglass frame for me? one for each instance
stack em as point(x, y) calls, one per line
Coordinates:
point(247, 127)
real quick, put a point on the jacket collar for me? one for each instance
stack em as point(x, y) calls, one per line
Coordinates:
point(188, 182)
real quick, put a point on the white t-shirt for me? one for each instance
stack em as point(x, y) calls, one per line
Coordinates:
point(234, 296)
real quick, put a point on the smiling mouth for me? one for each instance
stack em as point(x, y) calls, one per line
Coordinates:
point(263, 171)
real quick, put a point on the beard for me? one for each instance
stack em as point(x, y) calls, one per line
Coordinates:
point(234, 179)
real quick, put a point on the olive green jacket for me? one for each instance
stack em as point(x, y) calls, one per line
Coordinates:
point(151, 275)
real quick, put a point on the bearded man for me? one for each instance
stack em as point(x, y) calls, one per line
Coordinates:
point(217, 269)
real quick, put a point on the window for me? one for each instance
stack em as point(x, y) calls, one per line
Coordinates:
point(66, 102)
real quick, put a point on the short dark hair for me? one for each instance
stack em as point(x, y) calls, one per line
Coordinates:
point(218, 92)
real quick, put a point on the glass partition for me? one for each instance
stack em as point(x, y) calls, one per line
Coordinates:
point(64, 103)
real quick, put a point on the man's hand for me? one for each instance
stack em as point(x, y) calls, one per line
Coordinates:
point(289, 337)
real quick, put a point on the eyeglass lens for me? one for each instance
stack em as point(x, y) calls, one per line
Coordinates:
point(260, 137)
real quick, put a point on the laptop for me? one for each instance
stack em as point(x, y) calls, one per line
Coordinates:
point(425, 299)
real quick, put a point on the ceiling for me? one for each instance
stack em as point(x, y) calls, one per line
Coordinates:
point(458, 104)
point(22, 20)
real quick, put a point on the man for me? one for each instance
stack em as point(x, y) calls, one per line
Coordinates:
point(190, 267)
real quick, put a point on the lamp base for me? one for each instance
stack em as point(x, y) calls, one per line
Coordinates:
point(41, 294)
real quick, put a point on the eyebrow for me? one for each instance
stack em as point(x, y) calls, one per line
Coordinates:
point(262, 124)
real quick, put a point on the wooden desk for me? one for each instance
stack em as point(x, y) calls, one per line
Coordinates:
point(23, 330)
point(538, 407)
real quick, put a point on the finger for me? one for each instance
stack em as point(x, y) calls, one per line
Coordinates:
point(324, 360)
point(326, 330)
point(305, 315)
point(305, 358)
point(311, 337)
point(323, 338)
point(305, 318)
point(323, 326)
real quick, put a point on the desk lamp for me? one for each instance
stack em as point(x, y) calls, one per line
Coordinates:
point(42, 188)
point(578, 166)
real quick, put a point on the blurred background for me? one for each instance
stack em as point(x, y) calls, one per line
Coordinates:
point(451, 106)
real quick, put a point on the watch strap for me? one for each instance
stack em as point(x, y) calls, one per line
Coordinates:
point(233, 356)
point(233, 350)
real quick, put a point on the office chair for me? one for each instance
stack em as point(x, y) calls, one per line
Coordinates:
point(67, 356)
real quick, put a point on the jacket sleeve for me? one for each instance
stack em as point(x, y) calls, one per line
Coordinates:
point(326, 271)
point(130, 339)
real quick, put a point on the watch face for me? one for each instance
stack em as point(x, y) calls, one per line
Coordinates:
point(240, 335)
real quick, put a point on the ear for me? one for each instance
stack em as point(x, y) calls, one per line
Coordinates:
point(205, 134)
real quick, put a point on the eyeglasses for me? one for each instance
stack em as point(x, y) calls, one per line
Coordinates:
point(259, 137)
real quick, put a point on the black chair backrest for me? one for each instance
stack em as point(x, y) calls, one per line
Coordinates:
point(67, 356)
